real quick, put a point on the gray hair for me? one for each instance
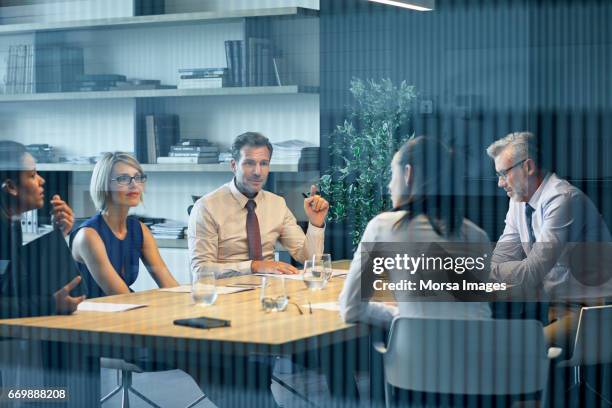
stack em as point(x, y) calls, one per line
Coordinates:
point(99, 187)
point(524, 146)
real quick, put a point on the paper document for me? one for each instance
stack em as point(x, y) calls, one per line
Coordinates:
point(278, 275)
point(331, 306)
point(106, 307)
point(339, 272)
point(221, 290)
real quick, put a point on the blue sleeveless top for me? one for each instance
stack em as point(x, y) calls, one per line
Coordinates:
point(123, 254)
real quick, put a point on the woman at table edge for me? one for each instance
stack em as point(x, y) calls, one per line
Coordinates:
point(416, 187)
point(108, 246)
point(21, 190)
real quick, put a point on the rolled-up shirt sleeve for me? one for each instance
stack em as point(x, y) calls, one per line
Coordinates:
point(557, 223)
point(203, 243)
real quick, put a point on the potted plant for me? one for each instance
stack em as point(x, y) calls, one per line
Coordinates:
point(361, 150)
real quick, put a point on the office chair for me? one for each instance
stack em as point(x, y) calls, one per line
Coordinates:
point(593, 344)
point(125, 383)
point(465, 358)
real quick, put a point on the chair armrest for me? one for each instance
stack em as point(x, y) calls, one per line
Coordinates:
point(380, 347)
point(554, 352)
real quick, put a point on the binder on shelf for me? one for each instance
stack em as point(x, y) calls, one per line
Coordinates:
point(57, 68)
point(233, 55)
point(161, 131)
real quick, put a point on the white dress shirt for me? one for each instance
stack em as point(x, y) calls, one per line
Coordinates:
point(217, 235)
point(563, 216)
point(383, 228)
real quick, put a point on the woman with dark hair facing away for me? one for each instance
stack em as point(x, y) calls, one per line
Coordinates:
point(108, 246)
point(21, 190)
point(425, 211)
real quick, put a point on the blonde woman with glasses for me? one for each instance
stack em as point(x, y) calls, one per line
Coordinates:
point(108, 246)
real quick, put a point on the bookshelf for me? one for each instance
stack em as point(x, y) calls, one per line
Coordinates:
point(166, 168)
point(156, 20)
point(83, 124)
point(161, 93)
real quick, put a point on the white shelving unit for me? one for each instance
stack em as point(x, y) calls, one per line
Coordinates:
point(155, 47)
point(161, 93)
point(156, 20)
point(166, 168)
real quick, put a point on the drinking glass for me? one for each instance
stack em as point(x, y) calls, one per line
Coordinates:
point(314, 276)
point(325, 260)
point(203, 287)
point(273, 295)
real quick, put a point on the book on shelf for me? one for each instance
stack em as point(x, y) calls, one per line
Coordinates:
point(57, 67)
point(203, 155)
point(191, 142)
point(253, 62)
point(139, 87)
point(233, 56)
point(202, 78)
point(260, 64)
point(19, 76)
point(137, 84)
point(187, 160)
point(193, 149)
point(149, 7)
point(161, 132)
point(201, 72)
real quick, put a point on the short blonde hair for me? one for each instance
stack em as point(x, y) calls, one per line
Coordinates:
point(99, 187)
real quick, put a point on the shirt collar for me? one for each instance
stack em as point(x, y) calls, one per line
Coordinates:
point(535, 198)
point(241, 198)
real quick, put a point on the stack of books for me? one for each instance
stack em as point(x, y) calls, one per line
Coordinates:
point(168, 230)
point(98, 82)
point(304, 154)
point(43, 153)
point(189, 78)
point(225, 157)
point(136, 84)
point(192, 151)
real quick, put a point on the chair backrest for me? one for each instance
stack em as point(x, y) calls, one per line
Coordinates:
point(482, 357)
point(593, 343)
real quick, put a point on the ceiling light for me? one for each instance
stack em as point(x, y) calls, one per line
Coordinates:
point(420, 5)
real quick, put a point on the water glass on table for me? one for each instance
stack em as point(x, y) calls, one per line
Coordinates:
point(273, 295)
point(203, 287)
point(316, 273)
point(326, 261)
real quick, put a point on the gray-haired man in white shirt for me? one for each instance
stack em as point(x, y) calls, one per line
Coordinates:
point(546, 219)
point(234, 229)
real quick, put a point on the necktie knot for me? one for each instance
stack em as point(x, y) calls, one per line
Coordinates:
point(250, 205)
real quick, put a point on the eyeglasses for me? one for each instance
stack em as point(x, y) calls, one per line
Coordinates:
point(126, 180)
point(504, 173)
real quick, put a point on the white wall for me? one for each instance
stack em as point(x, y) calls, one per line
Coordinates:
point(73, 127)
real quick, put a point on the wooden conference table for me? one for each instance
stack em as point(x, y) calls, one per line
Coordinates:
point(89, 335)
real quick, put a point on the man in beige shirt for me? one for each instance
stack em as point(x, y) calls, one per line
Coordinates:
point(218, 223)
